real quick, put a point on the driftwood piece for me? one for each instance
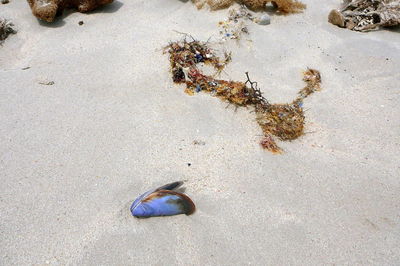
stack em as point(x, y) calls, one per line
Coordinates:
point(365, 15)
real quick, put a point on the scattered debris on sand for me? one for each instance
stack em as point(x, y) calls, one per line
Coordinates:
point(199, 142)
point(46, 82)
point(6, 28)
point(236, 24)
point(47, 10)
point(284, 121)
point(239, 15)
point(283, 6)
point(366, 15)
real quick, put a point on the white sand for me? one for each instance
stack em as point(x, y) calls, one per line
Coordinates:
point(75, 154)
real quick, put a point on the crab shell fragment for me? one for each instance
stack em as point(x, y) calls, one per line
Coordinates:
point(163, 201)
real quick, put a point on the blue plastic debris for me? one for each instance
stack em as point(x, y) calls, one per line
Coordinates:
point(199, 58)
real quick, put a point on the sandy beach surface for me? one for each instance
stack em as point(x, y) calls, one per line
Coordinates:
point(75, 154)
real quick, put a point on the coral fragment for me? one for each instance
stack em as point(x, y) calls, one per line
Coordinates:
point(47, 10)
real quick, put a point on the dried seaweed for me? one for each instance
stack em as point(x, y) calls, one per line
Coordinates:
point(366, 15)
point(284, 121)
point(283, 6)
point(6, 28)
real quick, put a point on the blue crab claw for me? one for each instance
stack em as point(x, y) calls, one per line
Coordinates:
point(163, 201)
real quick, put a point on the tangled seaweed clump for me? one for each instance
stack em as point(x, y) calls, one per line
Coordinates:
point(285, 121)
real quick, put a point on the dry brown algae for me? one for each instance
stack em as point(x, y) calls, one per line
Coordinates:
point(284, 121)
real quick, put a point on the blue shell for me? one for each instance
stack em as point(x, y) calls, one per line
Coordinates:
point(163, 201)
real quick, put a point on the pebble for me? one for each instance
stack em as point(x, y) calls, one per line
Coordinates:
point(264, 19)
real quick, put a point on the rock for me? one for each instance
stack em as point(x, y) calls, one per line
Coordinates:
point(264, 19)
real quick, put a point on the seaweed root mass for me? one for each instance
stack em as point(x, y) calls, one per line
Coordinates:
point(284, 121)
